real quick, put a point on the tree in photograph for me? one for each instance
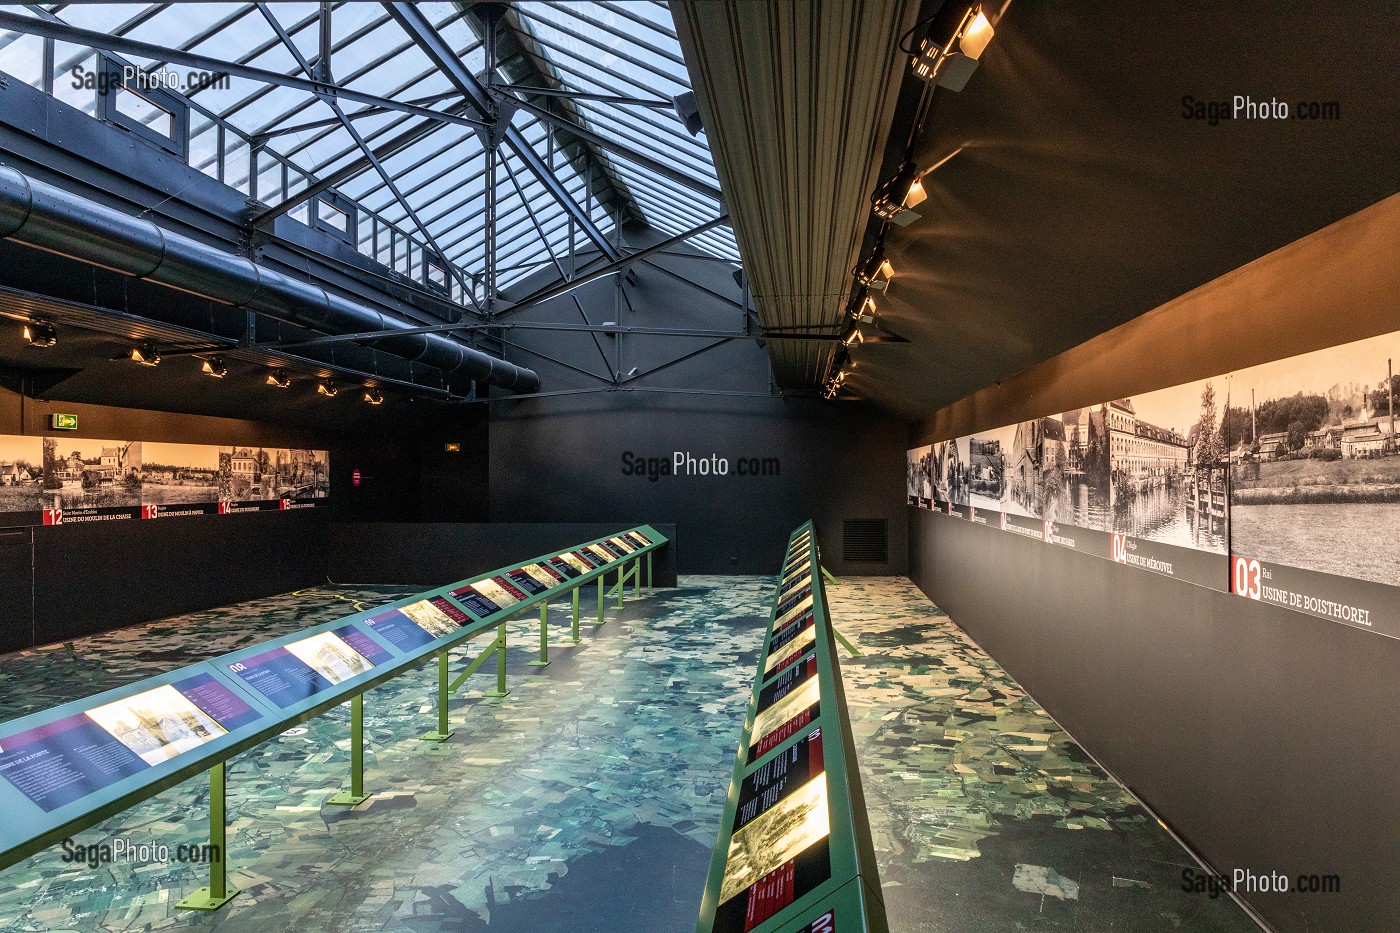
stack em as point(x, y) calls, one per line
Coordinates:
point(1381, 398)
point(225, 475)
point(51, 464)
point(1297, 435)
point(1210, 449)
point(1280, 451)
point(1095, 462)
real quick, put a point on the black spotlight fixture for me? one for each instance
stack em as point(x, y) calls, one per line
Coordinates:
point(145, 354)
point(214, 366)
point(279, 378)
point(948, 60)
point(688, 111)
point(374, 396)
point(875, 271)
point(328, 388)
point(40, 334)
point(897, 197)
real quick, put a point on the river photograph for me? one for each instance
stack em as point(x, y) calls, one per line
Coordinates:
point(1315, 464)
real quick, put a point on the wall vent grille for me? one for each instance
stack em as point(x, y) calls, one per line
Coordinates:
point(865, 541)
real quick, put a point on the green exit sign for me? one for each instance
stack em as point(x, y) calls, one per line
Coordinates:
point(63, 422)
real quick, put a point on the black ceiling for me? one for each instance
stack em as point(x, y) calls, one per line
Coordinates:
point(1083, 198)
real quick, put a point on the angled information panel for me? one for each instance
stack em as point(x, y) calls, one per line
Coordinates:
point(794, 853)
point(67, 768)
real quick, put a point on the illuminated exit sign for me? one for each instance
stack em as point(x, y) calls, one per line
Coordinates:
point(63, 422)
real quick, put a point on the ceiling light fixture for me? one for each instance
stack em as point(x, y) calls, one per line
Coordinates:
point(279, 378)
point(40, 334)
point(328, 388)
point(950, 64)
point(145, 354)
point(374, 396)
point(875, 272)
point(897, 197)
point(214, 366)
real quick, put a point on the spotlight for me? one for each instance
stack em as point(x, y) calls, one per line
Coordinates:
point(875, 272)
point(688, 112)
point(279, 378)
point(941, 64)
point(853, 337)
point(895, 199)
point(864, 312)
point(328, 388)
point(40, 334)
point(214, 366)
point(145, 354)
point(374, 396)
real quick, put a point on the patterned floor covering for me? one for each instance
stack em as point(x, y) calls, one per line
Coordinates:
point(589, 798)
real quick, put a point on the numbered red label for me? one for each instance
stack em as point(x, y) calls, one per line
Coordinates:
point(284, 504)
point(150, 511)
point(1048, 531)
point(1003, 521)
point(1245, 574)
point(53, 516)
point(1120, 548)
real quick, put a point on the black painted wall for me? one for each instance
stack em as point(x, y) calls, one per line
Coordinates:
point(560, 457)
point(430, 554)
point(561, 460)
point(68, 580)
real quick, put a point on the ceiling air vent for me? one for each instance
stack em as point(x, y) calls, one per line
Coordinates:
point(864, 541)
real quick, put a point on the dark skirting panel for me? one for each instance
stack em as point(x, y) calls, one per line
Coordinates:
point(1266, 738)
point(431, 554)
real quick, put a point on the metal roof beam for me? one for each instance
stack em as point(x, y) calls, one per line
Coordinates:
point(412, 21)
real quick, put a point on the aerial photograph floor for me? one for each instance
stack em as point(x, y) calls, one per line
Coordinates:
point(590, 797)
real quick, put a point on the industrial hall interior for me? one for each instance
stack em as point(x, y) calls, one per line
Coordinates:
point(730, 466)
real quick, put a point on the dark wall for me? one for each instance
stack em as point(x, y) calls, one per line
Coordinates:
point(431, 554)
point(560, 458)
point(68, 580)
point(1266, 738)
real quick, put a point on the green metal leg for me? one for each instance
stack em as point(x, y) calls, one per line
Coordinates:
point(356, 794)
point(621, 584)
point(219, 892)
point(543, 660)
point(649, 586)
point(575, 592)
point(500, 690)
point(830, 579)
point(443, 733)
point(601, 619)
point(849, 647)
point(637, 577)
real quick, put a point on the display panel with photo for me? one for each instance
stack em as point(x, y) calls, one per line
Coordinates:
point(436, 616)
point(87, 479)
point(22, 474)
point(157, 724)
point(1315, 483)
point(301, 669)
point(776, 859)
point(175, 475)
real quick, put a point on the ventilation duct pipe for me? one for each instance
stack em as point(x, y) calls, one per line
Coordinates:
point(49, 218)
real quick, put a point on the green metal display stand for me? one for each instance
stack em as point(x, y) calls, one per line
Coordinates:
point(447, 687)
point(543, 659)
point(31, 830)
point(218, 893)
point(356, 794)
point(849, 899)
